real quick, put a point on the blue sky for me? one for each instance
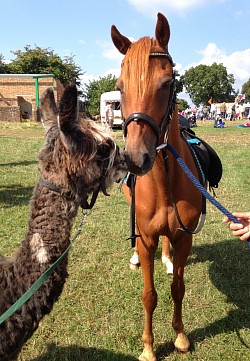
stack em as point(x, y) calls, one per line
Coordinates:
point(202, 31)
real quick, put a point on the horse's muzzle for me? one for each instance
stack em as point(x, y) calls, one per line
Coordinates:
point(141, 165)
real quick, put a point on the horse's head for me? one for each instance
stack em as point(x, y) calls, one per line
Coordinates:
point(147, 92)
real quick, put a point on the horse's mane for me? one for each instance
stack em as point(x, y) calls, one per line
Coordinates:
point(135, 66)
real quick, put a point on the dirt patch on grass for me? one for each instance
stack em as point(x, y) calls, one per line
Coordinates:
point(21, 130)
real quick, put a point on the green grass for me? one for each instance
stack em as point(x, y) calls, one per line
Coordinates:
point(99, 315)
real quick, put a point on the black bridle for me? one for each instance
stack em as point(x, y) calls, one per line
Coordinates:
point(135, 117)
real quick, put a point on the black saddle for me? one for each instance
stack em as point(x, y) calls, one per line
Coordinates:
point(208, 158)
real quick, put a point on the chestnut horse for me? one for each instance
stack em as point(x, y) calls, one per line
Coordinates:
point(151, 121)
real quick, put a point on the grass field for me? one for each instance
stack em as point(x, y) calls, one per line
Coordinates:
point(99, 315)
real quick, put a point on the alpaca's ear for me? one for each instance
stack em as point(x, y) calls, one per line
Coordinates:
point(48, 109)
point(68, 111)
point(120, 41)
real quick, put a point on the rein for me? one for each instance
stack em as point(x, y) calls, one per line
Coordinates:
point(201, 188)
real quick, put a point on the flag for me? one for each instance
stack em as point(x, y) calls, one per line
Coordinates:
point(210, 101)
point(241, 97)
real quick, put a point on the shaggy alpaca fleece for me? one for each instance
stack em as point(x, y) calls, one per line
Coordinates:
point(78, 159)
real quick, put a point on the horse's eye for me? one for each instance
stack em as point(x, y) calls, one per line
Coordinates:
point(166, 85)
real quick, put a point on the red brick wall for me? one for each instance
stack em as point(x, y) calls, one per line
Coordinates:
point(10, 114)
point(14, 89)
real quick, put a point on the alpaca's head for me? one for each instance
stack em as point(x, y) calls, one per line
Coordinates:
point(77, 156)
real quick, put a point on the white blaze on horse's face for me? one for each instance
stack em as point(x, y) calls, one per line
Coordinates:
point(145, 93)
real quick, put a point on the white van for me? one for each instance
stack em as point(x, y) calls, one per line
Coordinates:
point(115, 98)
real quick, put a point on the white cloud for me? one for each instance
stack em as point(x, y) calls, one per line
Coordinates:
point(180, 6)
point(110, 52)
point(114, 71)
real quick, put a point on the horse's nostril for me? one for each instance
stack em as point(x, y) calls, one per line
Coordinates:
point(147, 163)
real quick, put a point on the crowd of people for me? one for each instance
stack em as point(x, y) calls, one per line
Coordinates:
point(218, 113)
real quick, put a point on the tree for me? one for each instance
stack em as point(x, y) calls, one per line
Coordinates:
point(203, 82)
point(94, 90)
point(44, 61)
point(246, 90)
point(179, 82)
point(3, 65)
point(182, 104)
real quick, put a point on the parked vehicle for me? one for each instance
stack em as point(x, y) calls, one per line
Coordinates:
point(115, 98)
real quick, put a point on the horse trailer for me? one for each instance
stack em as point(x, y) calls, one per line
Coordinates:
point(115, 98)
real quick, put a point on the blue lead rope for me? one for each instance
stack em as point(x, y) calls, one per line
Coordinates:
point(201, 188)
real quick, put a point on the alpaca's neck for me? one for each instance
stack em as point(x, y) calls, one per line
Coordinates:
point(50, 223)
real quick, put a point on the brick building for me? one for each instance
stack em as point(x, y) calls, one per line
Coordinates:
point(20, 95)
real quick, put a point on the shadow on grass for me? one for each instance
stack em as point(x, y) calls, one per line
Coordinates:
point(76, 353)
point(25, 163)
point(15, 194)
point(229, 272)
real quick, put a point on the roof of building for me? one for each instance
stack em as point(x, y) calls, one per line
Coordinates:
point(27, 76)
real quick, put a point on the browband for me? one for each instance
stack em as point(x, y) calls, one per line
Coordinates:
point(162, 54)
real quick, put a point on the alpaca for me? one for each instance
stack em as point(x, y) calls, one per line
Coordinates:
point(76, 159)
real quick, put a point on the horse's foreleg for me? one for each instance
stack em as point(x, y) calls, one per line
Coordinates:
point(149, 298)
point(134, 262)
point(182, 249)
point(166, 256)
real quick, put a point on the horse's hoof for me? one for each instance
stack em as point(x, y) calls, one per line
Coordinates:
point(181, 343)
point(134, 267)
point(147, 356)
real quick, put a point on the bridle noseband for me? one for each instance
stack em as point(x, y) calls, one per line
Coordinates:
point(136, 117)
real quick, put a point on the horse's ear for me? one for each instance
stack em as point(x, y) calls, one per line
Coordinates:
point(120, 41)
point(48, 109)
point(162, 31)
point(68, 110)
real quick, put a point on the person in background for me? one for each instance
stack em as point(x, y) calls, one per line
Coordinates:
point(109, 115)
point(242, 229)
point(233, 112)
point(219, 123)
point(213, 111)
point(223, 110)
point(242, 111)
